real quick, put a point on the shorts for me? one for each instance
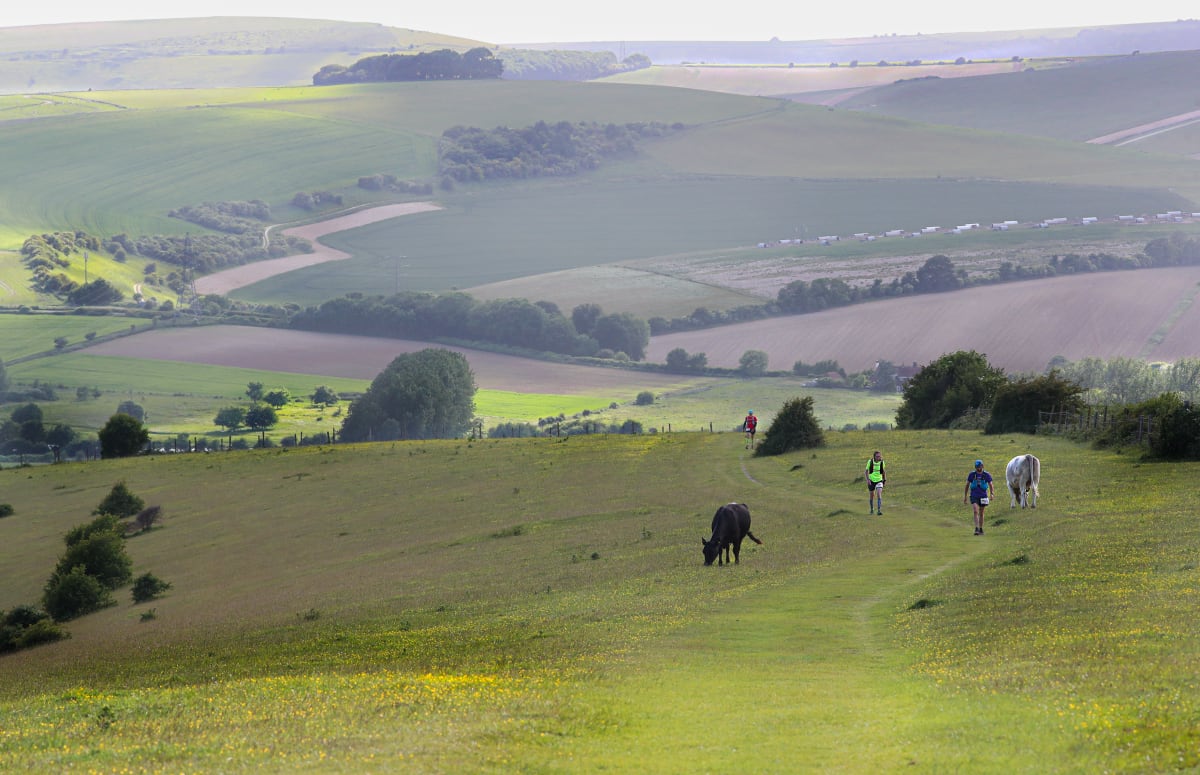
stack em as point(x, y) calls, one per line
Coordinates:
point(872, 485)
point(982, 500)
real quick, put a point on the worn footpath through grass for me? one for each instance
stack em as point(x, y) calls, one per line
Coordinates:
point(804, 674)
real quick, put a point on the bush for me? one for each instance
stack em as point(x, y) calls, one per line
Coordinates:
point(645, 398)
point(44, 631)
point(120, 502)
point(794, 427)
point(147, 587)
point(6, 510)
point(102, 555)
point(71, 595)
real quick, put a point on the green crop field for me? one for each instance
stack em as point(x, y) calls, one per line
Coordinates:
point(541, 606)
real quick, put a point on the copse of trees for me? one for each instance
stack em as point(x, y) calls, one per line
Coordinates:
point(944, 390)
point(509, 322)
point(1017, 402)
point(561, 65)
point(541, 150)
point(441, 65)
point(428, 394)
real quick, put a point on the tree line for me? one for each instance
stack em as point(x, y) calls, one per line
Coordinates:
point(559, 65)
point(516, 323)
point(963, 390)
point(441, 65)
point(541, 150)
point(937, 275)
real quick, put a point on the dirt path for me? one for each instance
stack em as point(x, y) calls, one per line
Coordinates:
point(1135, 133)
point(231, 279)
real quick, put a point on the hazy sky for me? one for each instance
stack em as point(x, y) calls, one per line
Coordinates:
point(529, 21)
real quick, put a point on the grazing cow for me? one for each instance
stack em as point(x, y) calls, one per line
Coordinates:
point(730, 525)
point(1023, 473)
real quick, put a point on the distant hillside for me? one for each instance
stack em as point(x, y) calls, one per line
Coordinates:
point(1089, 99)
point(1036, 43)
point(194, 53)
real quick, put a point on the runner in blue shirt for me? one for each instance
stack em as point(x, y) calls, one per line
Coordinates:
point(979, 492)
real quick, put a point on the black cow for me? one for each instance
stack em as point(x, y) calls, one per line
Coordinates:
point(730, 525)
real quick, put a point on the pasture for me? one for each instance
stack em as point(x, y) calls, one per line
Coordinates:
point(506, 606)
point(183, 376)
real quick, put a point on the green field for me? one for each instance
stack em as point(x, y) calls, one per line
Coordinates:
point(1096, 97)
point(183, 398)
point(537, 229)
point(541, 606)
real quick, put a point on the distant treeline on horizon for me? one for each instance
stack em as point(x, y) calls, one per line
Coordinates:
point(441, 65)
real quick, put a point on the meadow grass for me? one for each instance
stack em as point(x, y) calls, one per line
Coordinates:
point(545, 622)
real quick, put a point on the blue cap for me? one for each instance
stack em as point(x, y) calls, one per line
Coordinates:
point(978, 463)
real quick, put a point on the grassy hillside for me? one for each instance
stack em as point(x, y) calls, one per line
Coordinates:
point(1087, 100)
point(499, 606)
point(194, 53)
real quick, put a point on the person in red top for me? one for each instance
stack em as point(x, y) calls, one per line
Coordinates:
point(750, 425)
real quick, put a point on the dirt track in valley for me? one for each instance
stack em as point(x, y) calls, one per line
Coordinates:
point(230, 279)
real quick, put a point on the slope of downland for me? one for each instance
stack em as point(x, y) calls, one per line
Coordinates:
point(195, 53)
point(1087, 100)
point(543, 623)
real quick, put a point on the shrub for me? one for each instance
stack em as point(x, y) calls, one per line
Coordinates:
point(71, 595)
point(120, 502)
point(6, 510)
point(794, 427)
point(645, 398)
point(102, 556)
point(146, 518)
point(43, 631)
point(147, 587)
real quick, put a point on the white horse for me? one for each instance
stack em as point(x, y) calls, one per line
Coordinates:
point(1023, 473)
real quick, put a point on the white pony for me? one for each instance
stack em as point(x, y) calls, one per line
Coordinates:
point(1023, 473)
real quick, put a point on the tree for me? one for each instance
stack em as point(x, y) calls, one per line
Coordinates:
point(677, 360)
point(120, 502)
point(27, 413)
point(936, 275)
point(753, 363)
point(429, 394)
point(584, 317)
point(1017, 403)
point(254, 390)
point(324, 395)
point(261, 417)
point(944, 390)
point(230, 417)
point(623, 332)
point(277, 398)
point(794, 427)
point(884, 378)
point(133, 410)
point(123, 436)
